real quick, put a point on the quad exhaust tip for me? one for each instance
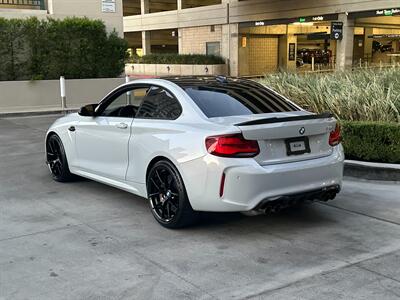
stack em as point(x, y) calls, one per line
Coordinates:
point(277, 204)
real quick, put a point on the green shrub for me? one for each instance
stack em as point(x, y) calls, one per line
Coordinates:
point(174, 58)
point(364, 95)
point(46, 49)
point(371, 141)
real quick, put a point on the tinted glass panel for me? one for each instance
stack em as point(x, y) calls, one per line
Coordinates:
point(159, 104)
point(235, 99)
point(217, 104)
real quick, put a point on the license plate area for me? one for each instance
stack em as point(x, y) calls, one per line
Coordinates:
point(297, 146)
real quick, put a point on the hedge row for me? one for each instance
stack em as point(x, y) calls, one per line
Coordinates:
point(182, 59)
point(371, 141)
point(32, 49)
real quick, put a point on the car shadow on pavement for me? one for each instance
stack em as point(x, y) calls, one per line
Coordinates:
point(307, 215)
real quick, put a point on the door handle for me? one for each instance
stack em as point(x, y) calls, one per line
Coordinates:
point(122, 126)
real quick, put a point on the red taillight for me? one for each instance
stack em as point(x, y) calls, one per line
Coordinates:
point(234, 145)
point(335, 137)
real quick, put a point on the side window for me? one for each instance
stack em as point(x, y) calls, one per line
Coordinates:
point(213, 48)
point(126, 104)
point(159, 104)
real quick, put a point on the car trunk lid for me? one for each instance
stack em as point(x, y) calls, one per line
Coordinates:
point(286, 137)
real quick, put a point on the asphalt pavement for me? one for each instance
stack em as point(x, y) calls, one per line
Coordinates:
point(85, 240)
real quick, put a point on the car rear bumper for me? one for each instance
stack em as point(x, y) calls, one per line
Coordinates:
point(249, 185)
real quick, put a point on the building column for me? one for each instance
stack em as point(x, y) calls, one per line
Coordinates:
point(287, 54)
point(180, 41)
point(230, 47)
point(368, 44)
point(146, 44)
point(144, 6)
point(344, 48)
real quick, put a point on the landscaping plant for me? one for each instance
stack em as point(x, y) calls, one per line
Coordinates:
point(174, 58)
point(33, 49)
point(366, 102)
point(362, 95)
point(371, 141)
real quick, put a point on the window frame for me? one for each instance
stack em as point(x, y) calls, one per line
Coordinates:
point(101, 107)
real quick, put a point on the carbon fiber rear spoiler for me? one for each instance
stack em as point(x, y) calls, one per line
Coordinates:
point(324, 115)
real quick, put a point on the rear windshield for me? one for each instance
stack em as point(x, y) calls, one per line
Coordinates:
point(233, 99)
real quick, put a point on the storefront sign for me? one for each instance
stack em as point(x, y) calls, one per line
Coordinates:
point(108, 6)
point(313, 19)
point(376, 13)
point(318, 18)
point(292, 51)
point(337, 31)
point(388, 12)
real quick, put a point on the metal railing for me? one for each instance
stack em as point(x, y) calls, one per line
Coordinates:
point(39, 4)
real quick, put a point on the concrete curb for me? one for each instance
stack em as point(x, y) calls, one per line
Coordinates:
point(372, 171)
point(37, 113)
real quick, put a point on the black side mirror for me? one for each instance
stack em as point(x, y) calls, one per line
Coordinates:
point(87, 110)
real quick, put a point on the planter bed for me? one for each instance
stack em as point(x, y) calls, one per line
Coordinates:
point(174, 69)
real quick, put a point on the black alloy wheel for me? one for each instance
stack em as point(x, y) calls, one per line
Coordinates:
point(57, 160)
point(167, 196)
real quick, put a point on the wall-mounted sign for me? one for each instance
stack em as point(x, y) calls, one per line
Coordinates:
point(388, 12)
point(317, 18)
point(337, 31)
point(108, 6)
point(244, 41)
point(375, 13)
point(292, 51)
point(312, 19)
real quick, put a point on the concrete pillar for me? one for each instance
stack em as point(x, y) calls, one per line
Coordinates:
point(230, 47)
point(368, 44)
point(49, 5)
point(287, 63)
point(180, 41)
point(146, 43)
point(344, 48)
point(144, 6)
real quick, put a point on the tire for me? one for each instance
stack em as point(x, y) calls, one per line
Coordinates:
point(167, 197)
point(57, 160)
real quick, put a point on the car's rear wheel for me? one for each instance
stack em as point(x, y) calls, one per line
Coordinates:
point(167, 196)
point(57, 160)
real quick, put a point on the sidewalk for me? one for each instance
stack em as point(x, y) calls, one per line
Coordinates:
point(37, 112)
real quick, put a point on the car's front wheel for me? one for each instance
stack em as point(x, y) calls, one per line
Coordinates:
point(167, 196)
point(57, 159)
